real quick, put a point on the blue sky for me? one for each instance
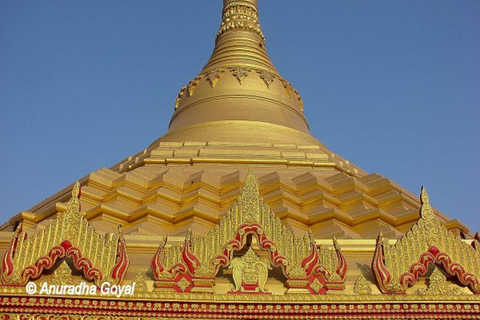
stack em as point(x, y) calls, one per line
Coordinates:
point(392, 86)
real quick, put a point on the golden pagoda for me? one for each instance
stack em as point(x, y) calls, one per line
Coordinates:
point(237, 212)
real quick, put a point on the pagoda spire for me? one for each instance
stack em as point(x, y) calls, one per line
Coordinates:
point(239, 95)
point(240, 40)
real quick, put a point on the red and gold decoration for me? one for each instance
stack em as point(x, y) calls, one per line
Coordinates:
point(100, 257)
point(428, 242)
point(192, 267)
point(94, 309)
point(180, 290)
point(261, 249)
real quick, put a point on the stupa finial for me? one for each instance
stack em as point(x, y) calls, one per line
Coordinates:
point(240, 15)
point(240, 39)
point(239, 95)
point(254, 2)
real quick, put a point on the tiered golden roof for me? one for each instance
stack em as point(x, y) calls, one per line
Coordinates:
point(239, 115)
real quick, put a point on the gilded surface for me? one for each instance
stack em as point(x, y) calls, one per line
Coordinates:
point(240, 15)
point(249, 270)
point(266, 76)
point(213, 76)
point(38, 308)
point(141, 286)
point(62, 275)
point(361, 286)
point(299, 257)
point(397, 267)
point(69, 235)
point(240, 73)
point(183, 284)
point(439, 300)
point(438, 286)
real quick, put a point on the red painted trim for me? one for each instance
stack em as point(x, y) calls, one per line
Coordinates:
point(420, 268)
point(190, 262)
point(236, 310)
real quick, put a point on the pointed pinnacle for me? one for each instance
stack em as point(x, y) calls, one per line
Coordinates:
point(380, 235)
point(424, 196)
point(164, 241)
point(76, 190)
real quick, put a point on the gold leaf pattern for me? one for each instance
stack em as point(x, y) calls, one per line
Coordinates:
point(62, 275)
point(362, 286)
point(183, 284)
point(266, 76)
point(100, 250)
point(438, 286)
point(240, 72)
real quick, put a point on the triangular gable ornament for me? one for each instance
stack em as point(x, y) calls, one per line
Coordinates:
point(192, 267)
point(100, 257)
point(398, 266)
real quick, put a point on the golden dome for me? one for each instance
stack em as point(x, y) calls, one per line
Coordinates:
point(239, 93)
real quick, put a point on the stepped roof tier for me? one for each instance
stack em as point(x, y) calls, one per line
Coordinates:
point(237, 184)
point(238, 114)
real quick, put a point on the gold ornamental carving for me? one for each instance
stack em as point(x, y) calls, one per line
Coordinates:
point(398, 266)
point(240, 72)
point(316, 285)
point(250, 201)
point(183, 284)
point(303, 262)
point(213, 76)
point(141, 286)
point(240, 15)
point(361, 286)
point(438, 286)
point(62, 275)
point(250, 274)
point(266, 76)
point(100, 257)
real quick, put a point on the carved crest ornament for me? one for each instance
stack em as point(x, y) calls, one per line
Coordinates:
point(240, 73)
point(308, 268)
point(191, 267)
point(248, 242)
point(398, 266)
point(250, 273)
point(100, 257)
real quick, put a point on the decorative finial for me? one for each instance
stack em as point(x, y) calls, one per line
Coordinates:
point(120, 233)
point(426, 211)
point(163, 243)
point(254, 2)
point(424, 196)
point(361, 286)
point(240, 15)
point(311, 237)
point(188, 236)
point(335, 242)
point(74, 202)
point(250, 198)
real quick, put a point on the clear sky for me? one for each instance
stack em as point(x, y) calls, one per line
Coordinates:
point(392, 86)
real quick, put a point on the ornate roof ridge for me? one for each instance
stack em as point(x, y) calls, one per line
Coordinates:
point(398, 266)
point(194, 264)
